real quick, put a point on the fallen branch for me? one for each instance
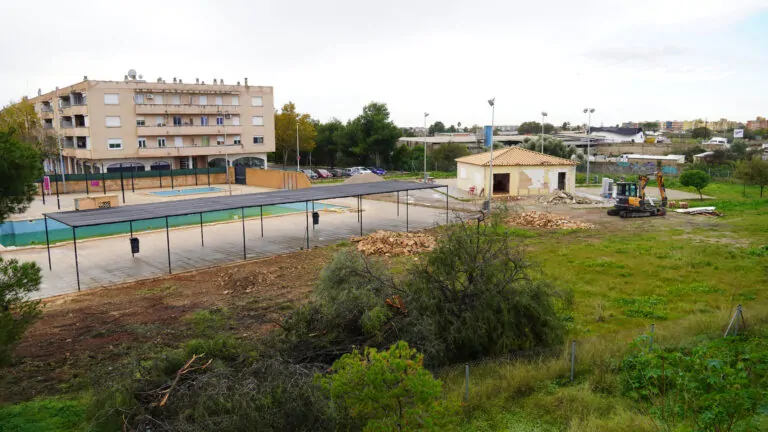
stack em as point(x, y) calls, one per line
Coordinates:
point(184, 369)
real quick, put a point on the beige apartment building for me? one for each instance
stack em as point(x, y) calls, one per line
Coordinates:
point(138, 125)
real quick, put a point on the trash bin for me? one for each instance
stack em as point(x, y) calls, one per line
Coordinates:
point(134, 245)
point(315, 218)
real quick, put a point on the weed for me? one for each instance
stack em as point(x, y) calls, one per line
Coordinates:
point(693, 288)
point(163, 289)
point(211, 321)
point(643, 307)
point(48, 414)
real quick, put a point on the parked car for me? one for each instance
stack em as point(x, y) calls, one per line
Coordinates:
point(337, 172)
point(323, 173)
point(363, 170)
point(348, 172)
point(309, 173)
point(378, 171)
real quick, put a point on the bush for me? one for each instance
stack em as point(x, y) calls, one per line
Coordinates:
point(695, 179)
point(17, 312)
point(475, 296)
point(387, 391)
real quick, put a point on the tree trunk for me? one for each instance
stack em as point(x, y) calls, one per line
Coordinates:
point(701, 197)
point(761, 190)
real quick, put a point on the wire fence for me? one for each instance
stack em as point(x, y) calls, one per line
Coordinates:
point(564, 360)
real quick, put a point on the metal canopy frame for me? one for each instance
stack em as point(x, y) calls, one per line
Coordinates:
point(130, 214)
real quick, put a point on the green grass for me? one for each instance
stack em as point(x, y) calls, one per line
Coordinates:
point(49, 415)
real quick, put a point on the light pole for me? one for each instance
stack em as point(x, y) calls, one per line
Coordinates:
point(426, 114)
point(298, 158)
point(492, 103)
point(588, 112)
point(543, 116)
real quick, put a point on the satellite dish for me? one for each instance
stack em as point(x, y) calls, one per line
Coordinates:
point(132, 74)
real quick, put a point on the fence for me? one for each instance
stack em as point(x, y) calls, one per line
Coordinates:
point(615, 170)
point(564, 359)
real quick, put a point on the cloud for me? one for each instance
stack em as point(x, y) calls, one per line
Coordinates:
point(635, 55)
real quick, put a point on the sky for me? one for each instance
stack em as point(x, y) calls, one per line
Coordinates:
point(631, 61)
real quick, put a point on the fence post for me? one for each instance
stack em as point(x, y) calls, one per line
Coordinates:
point(103, 180)
point(161, 178)
point(650, 342)
point(466, 382)
point(739, 318)
point(573, 359)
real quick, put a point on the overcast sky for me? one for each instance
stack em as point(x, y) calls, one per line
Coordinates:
point(630, 60)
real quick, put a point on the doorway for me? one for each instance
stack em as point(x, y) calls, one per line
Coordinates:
point(561, 181)
point(501, 184)
point(240, 174)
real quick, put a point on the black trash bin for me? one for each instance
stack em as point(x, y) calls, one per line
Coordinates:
point(315, 218)
point(134, 245)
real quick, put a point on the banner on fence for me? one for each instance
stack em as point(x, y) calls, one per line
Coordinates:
point(47, 185)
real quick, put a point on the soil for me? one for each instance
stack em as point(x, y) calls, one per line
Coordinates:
point(79, 331)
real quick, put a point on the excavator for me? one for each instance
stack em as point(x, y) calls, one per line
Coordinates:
point(631, 201)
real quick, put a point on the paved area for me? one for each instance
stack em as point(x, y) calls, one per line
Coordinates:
point(142, 196)
point(653, 192)
point(108, 261)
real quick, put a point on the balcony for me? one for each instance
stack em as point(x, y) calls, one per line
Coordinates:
point(46, 113)
point(77, 153)
point(188, 130)
point(75, 110)
point(73, 131)
point(210, 150)
point(163, 109)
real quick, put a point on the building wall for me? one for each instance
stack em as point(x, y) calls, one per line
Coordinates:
point(276, 179)
point(612, 137)
point(523, 180)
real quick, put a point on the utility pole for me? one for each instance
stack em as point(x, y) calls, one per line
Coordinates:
point(543, 116)
point(588, 112)
point(426, 114)
point(298, 157)
point(492, 103)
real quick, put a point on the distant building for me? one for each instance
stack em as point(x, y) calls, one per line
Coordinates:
point(671, 126)
point(759, 123)
point(617, 135)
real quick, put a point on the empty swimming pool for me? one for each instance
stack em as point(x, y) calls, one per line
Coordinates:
point(190, 191)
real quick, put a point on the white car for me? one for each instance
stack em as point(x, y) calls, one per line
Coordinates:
point(360, 170)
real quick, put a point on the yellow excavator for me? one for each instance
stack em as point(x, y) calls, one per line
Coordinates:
point(631, 201)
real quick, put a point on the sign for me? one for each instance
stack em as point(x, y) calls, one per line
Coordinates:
point(488, 136)
point(46, 184)
point(94, 183)
point(738, 133)
point(298, 157)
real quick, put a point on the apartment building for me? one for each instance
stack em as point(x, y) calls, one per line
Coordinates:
point(758, 123)
point(138, 125)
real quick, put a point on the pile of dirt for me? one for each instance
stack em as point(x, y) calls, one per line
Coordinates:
point(562, 197)
point(390, 243)
point(363, 178)
point(547, 220)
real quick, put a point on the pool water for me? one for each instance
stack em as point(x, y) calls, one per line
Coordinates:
point(190, 191)
point(32, 231)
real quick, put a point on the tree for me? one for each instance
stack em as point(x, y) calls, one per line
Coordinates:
point(328, 142)
point(695, 179)
point(436, 127)
point(650, 126)
point(566, 126)
point(451, 129)
point(739, 148)
point(443, 157)
point(285, 131)
point(701, 133)
point(372, 135)
point(755, 171)
point(552, 146)
point(17, 312)
point(20, 168)
point(387, 391)
point(533, 128)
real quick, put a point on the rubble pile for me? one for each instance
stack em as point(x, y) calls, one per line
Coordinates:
point(562, 197)
point(390, 243)
point(547, 220)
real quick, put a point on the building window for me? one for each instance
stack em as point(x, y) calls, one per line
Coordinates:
point(237, 139)
point(159, 121)
point(236, 120)
point(111, 99)
point(158, 99)
point(257, 121)
point(161, 141)
point(219, 140)
point(176, 100)
point(114, 144)
point(258, 139)
point(206, 141)
point(178, 142)
point(184, 163)
point(113, 121)
point(219, 120)
point(203, 99)
point(203, 120)
point(140, 121)
point(142, 142)
point(257, 101)
point(139, 98)
point(219, 100)
point(177, 120)
point(235, 100)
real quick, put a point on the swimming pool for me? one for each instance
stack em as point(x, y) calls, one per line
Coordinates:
point(32, 231)
point(190, 191)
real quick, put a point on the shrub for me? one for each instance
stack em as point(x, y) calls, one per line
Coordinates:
point(695, 179)
point(475, 295)
point(17, 312)
point(387, 391)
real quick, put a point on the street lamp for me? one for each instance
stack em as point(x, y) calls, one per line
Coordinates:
point(588, 112)
point(543, 116)
point(492, 103)
point(426, 114)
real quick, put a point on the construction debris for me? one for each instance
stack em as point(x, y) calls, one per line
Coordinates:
point(547, 220)
point(706, 211)
point(390, 243)
point(562, 197)
point(680, 204)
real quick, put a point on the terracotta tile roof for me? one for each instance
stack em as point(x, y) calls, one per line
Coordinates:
point(514, 156)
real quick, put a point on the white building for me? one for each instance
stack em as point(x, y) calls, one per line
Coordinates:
point(617, 135)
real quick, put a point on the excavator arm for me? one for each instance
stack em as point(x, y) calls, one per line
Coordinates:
point(662, 189)
point(642, 183)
